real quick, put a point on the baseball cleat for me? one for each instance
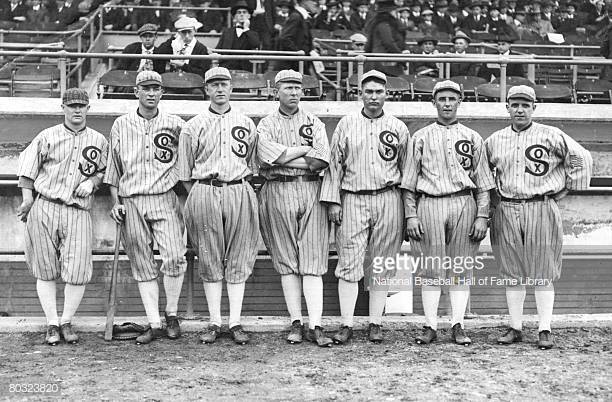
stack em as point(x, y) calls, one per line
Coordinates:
point(318, 336)
point(511, 336)
point(68, 333)
point(238, 335)
point(53, 335)
point(343, 335)
point(149, 336)
point(211, 335)
point(375, 333)
point(459, 337)
point(296, 333)
point(545, 340)
point(427, 336)
point(173, 329)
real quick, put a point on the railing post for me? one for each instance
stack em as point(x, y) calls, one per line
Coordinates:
point(531, 72)
point(62, 68)
point(574, 75)
point(571, 50)
point(360, 59)
point(229, 18)
point(214, 62)
point(2, 41)
point(338, 79)
point(301, 62)
point(80, 61)
point(502, 81)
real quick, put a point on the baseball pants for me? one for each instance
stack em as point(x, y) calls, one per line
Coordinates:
point(148, 219)
point(527, 239)
point(223, 225)
point(295, 227)
point(58, 242)
point(447, 222)
point(374, 221)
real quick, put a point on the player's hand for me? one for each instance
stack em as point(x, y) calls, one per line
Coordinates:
point(85, 189)
point(118, 212)
point(479, 229)
point(24, 209)
point(414, 228)
point(334, 213)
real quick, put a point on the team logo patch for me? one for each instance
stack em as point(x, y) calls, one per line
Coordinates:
point(536, 154)
point(241, 147)
point(389, 142)
point(306, 134)
point(89, 167)
point(466, 153)
point(164, 152)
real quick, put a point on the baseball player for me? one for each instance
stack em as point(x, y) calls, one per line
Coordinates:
point(141, 174)
point(535, 165)
point(216, 161)
point(293, 149)
point(361, 189)
point(64, 164)
point(447, 170)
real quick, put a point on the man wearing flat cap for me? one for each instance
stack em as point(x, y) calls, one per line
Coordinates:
point(427, 26)
point(293, 150)
point(183, 43)
point(535, 166)
point(216, 162)
point(239, 37)
point(64, 165)
point(148, 35)
point(428, 47)
point(461, 42)
point(361, 191)
point(446, 182)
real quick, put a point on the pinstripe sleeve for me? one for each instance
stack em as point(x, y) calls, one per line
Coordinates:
point(268, 151)
point(99, 176)
point(32, 157)
point(578, 164)
point(332, 178)
point(410, 174)
point(113, 164)
point(320, 144)
point(251, 157)
point(483, 178)
point(179, 123)
point(186, 159)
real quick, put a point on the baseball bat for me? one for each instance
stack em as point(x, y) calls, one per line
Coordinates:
point(112, 294)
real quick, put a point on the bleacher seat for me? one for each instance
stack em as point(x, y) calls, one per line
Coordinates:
point(468, 84)
point(593, 91)
point(36, 81)
point(553, 92)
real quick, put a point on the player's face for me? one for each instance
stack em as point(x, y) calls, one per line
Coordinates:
point(447, 102)
point(75, 114)
point(521, 111)
point(148, 95)
point(148, 40)
point(219, 91)
point(289, 94)
point(373, 95)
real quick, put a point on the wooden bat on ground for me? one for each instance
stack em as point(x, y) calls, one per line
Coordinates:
point(112, 294)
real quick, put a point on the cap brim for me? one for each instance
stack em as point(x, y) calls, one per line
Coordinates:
point(149, 82)
point(218, 77)
point(289, 80)
point(522, 96)
point(145, 32)
point(76, 102)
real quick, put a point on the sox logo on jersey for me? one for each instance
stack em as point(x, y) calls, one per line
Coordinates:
point(535, 153)
point(91, 155)
point(163, 142)
point(465, 150)
point(239, 134)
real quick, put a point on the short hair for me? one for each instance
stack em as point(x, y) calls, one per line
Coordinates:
point(373, 79)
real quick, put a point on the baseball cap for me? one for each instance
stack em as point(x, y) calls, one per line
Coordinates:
point(147, 28)
point(358, 38)
point(374, 73)
point(288, 76)
point(447, 84)
point(75, 96)
point(217, 73)
point(148, 77)
point(187, 23)
point(522, 91)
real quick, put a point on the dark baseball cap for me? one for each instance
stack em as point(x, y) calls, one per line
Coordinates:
point(75, 96)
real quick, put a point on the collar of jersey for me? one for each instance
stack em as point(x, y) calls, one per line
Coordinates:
point(446, 125)
point(382, 113)
point(210, 109)
point(138, 113)
point(75, 132)
point(525, 129)
point(288, 115)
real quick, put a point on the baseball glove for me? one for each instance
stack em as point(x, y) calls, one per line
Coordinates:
point(127, 331)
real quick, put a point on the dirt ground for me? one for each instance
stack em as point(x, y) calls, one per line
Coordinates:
point(578, 368)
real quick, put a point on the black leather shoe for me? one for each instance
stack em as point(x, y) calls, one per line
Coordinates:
point(239, 336)
point(296, 333)
point(343, 335)
point(511, 336)
point(53, 335)
point(458, 335)
point(173, 329)
point(68, 333)
point(427, 336)
point(375, 333)
point(318, 336)
point(545, 340)
point(211, 335)
point(149, 336)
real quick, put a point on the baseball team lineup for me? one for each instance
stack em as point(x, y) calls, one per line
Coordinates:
point(442, 188)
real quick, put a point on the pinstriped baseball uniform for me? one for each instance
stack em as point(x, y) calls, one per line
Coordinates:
point(221, 221)
point(294, 224)
point(367, 154)
point(142, 165)
point(58, 233)
point(540, 160)
point(443, 161)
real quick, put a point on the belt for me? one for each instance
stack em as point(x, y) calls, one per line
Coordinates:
point(461, 193)
point(219, 183)
point(289, 179)
point(522, 200)
point(372, 192)
point(59, 202)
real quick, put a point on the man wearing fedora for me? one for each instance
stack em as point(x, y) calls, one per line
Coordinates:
point(295, 34)
point(362, 16)
point(385, 36)
point(424, 68)
point(147, 34)
point(489, 70)
point(240, 36)
point(183, 43)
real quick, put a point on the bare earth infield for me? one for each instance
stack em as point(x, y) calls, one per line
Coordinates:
point(577, 368)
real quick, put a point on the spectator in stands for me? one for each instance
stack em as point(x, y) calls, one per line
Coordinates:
point(183, 43)
point(567, 21)
point(212, 21)
point(512, 8)
point(461, 43)
point(547, 11)
point(116, 19)
point(15, 11)
point(358, 42)
point(346, 13)
point(295, 34)
point(427, 46)
point(37, 14)
point(174, 15)
point(263, 21)
point(605, 50)
point(597, 18)
point(415, 13)
point(504, 14)
point(539, 26)
point(441, 9)
point(427, 27)
point(148, 35)
point(475, 23)
point(385, 36)
point(451, 22)
point(404, 18)
point(362, 16)
point(141, 16)
point(497, 26)
point(490, 71)
point(332, 18)
point(64, 13)
point(518, 24)
point(239, 37)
